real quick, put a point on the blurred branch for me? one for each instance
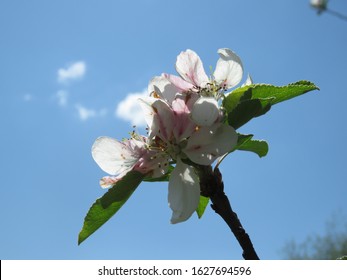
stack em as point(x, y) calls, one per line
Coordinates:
point(322, 6)
point(327, 246)
point(337, 14)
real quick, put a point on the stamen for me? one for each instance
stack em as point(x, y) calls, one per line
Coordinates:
point(155, 95)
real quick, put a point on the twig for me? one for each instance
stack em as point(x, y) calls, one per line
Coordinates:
point(337, 14)
point(212, 186)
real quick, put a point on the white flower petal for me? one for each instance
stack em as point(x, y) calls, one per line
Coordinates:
point(190, 68)
point(161, 86)
point(112, 156)
point(229, 69)
point(159, 117)
point(166, 120)
point(146, 105)
point(248, 81)
point(205, 111)
point(208, 143)
point(161, 167)
point(184, 192)
point(180, 84)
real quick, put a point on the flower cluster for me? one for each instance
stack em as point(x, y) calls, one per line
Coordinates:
point(186, 128)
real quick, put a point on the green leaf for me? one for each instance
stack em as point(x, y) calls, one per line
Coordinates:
point(280, 94)
point(260, 147)
point(242, 138)
point(233, 98)
point(108, 205)
point(248, 102)
point(344, 258)
point(247, 110)
point(202, 205)
point(246, 143)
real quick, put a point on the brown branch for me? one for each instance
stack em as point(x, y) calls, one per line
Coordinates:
point(212, 186)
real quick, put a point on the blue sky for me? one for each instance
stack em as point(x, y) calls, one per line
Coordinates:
point(66, 65)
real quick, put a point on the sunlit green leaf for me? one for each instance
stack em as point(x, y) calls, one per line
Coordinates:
point(233, 98)
point(246, 143)
point(108, 205)
point(277, 93)
point(242, 138)
point(247, 102)
point(260, 147)
point(280, 94)
point(202, 205)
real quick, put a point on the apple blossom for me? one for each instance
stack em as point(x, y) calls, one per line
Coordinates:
point(172, 128)
point(228, 73)
point(185, 124)
point(118, 158)
point(183, 114)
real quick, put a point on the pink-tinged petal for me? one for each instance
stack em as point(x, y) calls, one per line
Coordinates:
point(153, 163)
point(184, 192)
point(191, 69)
point(159, 117)
point(165, 119)
point(179, 83)
point(205, 111)
point(161, 87)
point(149, 115)
point(109, 181)
point(112, 156)
point(229, 69)
point(183, 125)
point(208, 143)
point(135, 146)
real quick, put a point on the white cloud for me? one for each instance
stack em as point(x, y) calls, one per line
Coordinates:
point(86, 113)
point(130, 110)
point(74, 71)
point(62, 96)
